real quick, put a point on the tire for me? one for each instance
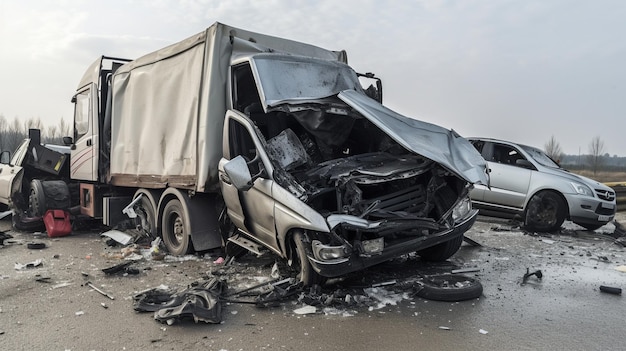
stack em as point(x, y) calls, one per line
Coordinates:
point(300, 263)
point(450, 287)
point(46, 195)
point(545, 212)
point(175, 229)
point(444, 199)
point(146, 217)
point(589, 227)
point(443, 251)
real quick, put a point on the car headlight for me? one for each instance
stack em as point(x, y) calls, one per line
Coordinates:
point(582, 189)
point(461, 209)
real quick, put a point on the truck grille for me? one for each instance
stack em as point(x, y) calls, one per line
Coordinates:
point(605, 194)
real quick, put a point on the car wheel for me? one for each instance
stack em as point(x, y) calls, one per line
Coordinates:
point(450, 287)
point(443, 251)
point(545, 212)
point(590, 227)
point(175, 229)
point(300, 263)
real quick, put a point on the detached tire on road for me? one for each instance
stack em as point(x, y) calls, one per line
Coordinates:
point(450, 287)
point(175, 228)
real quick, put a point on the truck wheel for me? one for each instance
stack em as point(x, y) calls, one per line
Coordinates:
point(545, 212)
point(146, 217)
point(175, 229)
point(443, 251)
point(36, 199)
point(300, 263)
point(46, 195)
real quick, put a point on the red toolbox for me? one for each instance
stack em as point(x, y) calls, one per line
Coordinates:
point(57, 223)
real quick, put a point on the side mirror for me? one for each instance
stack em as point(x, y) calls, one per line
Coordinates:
point(5, 157)
point(524, 163)
point(68, 141)
point(239, 173)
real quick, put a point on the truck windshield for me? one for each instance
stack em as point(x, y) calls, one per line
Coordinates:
point(301, 78)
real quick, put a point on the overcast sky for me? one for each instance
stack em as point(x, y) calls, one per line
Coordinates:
point(518, 70)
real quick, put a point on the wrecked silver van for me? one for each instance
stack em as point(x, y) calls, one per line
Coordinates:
point(326, 176)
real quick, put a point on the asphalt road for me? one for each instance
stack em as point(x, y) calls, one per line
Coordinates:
point(50, 306)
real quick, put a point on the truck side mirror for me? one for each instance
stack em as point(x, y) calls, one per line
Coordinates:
point(68, 141)
point(239, 173)
point(5, 157)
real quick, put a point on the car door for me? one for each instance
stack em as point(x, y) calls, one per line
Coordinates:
point(10, 171)
point(251, 210)
point(509, 182)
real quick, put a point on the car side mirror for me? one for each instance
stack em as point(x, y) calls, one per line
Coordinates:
point(5, 157)
point(524, 163)
point(239, 173)
point(68, 141)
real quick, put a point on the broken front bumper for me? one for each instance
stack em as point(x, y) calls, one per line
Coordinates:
point(356, 262)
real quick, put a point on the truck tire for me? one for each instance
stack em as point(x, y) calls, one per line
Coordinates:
point(300, 263)
point(46, 195)
point(175, 229)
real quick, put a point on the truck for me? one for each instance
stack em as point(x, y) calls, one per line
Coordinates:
point(234, 139)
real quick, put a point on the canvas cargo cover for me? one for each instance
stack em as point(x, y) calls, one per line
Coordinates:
point(168, 107)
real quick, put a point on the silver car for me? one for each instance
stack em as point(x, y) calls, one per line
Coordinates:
point(525, 181)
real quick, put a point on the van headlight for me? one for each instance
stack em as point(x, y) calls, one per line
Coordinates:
point(461, 209)
point(582, 189)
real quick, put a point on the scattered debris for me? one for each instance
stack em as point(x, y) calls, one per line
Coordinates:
point(118, 236)
point(621, 269)
point(306, 309)
point(536, 273)
point(121, 268)
point(471, 241)
point(611, 290)
point(41, 279)
point(89, 284)
point(483, 331)
point(104, 305)
point(4, 236)
point(34, 264)
point(465, 270)
point(444, 328)
point(79, 313)
point(199, 302)
point(36, 245)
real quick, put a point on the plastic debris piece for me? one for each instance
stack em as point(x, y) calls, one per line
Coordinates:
point(611, 290)
point(89, 284)
point(483, 331)
point(547, 241)
point(79, 313)
point(444, 328)
point(536, 273)
point(219, 260)
point(306, 309)
point(36, 263)
point(621, 269)
point(104, 305)
point(466, 270)
point(118, 236)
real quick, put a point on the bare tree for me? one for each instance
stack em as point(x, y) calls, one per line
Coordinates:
point(3, 133)
point(596, 149)
point(553, 149)
point(64, 128)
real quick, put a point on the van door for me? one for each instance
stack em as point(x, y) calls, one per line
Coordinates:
point(9, 172)
point(85, 151)
point(253, 210)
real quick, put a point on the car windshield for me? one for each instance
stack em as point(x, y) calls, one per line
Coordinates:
point(540, 157)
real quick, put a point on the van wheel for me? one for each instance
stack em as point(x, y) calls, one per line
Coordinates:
point(443, 251)
point(300, 263)
point(175, 229)
point(545, 212)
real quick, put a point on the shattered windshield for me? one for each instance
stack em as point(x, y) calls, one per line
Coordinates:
point(302, 78)
point(540, 157)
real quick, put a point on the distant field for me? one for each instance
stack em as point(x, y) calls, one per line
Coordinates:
point(603, 176)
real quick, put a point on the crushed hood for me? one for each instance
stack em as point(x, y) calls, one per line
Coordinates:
point(436, 143)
